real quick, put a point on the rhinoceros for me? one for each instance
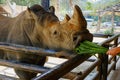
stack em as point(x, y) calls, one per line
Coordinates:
point(40, 28)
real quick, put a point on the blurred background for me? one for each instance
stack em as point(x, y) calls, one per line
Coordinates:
point(103, 16)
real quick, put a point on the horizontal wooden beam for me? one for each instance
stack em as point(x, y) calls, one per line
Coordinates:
point(88, 70)
point(109, 39)
point(23, 66)
point(101, 35)
point(60, 70)
point(4, 77)
point(25, 49)
point(15, 48)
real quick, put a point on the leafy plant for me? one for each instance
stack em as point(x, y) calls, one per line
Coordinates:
point(109, 31)
point(90, 48)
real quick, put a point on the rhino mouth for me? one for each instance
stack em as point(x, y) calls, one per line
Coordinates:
point(83, 35)
point(78, 43)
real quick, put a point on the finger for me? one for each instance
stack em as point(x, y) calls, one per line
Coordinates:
point(108, 52)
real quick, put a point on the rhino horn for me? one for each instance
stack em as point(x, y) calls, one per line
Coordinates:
point(78, 18)
point(66, 19)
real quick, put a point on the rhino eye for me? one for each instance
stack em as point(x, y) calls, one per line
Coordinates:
point(55, 32)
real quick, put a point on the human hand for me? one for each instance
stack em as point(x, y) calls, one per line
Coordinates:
point(113, 51)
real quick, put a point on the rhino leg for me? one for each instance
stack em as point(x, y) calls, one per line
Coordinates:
point(24, 75)
point(31, 59)
point(2, 54)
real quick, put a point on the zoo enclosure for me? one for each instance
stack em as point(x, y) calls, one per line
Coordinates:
point(64, 69)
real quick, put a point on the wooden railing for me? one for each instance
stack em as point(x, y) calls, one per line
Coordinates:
point(64, 69)
point(105, 60)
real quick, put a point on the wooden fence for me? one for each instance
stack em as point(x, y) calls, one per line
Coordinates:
point(64, 70)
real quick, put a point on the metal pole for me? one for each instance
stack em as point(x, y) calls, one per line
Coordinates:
point(45, 4)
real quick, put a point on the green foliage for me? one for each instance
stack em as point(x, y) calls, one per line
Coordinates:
point(90, 48)
point(89, 6)
point(26, 2)
point(117, 18)
point(84, 4)
point(65, 6)
point(23, 2)
point(2, 1)
point(105, 3)
point(109, 31)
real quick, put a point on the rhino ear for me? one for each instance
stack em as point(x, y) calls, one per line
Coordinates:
point(66, 19)
point(78, 18)
point(29, 14)
point(28, 9)
point(52, 9)
point(36, 8)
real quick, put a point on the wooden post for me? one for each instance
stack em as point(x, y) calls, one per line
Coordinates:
point(116, 44)
point(112, 20)
point(99, 21)
point(104, 66)
point(45, 4)
point(99, 68)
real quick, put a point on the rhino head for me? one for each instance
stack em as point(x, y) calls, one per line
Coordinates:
point(74, 29)
point(53, 34)
point(68, 33)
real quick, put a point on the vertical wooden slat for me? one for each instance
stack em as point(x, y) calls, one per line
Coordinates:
point(99, 68)
point(104, 66)
point(116, 43)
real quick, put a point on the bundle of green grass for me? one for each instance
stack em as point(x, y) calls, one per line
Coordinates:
point(90, 48)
